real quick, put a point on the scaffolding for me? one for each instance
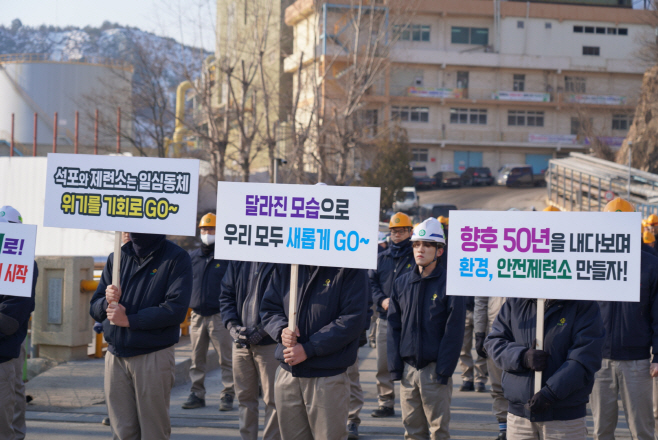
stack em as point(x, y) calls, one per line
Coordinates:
point(584, 183)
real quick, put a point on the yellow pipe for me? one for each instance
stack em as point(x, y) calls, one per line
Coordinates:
point(180, 110)
point(88, 285)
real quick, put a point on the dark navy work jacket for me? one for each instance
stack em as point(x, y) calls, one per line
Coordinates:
point(234, 292)
point(573, 338)
point(156, 295)
point(424, 325)
point(18, 308)
point(332, 308)
point(391, 264)
point(631, 328)
point(207, 278)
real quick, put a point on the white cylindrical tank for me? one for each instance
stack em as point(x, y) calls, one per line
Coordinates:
point(31, 84)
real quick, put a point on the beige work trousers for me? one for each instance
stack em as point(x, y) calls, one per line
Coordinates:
point(203, 331)
point(655, 407)
point(425, 404)
point(137, 392)
point(20, 404)
point(356, 394)
point(632, 381)
point(500, 403)
point(372, 334)
point(385, 387)
point(254, 364)
point(519, 428)
point(471, 371)
point(7, 400)
point(312, 407)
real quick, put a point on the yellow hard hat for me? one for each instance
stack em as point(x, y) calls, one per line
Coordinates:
point(208, 221)
point(552, 208)
point(652, 220)
point(443, 220)
point(619, 205)
point(648, 237)
point(400, 220)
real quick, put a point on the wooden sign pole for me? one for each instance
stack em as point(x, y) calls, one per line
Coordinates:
point(539, 338)
point(116, 263)
point(292, 307)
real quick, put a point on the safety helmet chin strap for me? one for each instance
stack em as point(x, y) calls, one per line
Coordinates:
point(422, 268)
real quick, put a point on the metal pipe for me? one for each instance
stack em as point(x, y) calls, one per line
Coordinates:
point(11, 146)
point(75, 139)
point(118, 130)
point(571, 197)
point(630, 155)
point(179, 128)
point(599, 194)
point(34, 139)
point(55, 134)
point(589, 194)
point(96, 133)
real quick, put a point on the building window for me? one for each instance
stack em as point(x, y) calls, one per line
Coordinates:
point(621, 122)
point(520, 24)
point(578, 29)
point(462, 80)
point(466, 35)
point(470, 116)
point(574, 84)
point(410, 114)
point(548, 25)
point(419, 154)
point(612, 31)
point(600, 30)
point(589, 29)
point(622, 31)
point(591, 50)
point(412, 32)
point(522, 118)
point(519, 83)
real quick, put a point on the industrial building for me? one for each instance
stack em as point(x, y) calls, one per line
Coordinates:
point(490, 82)
point(33, 88)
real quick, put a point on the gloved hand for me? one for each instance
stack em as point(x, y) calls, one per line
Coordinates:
point(539, 403)
point(8, 325)
point(98, 327)
point(535, 359)
point(479, 345)
point(237, 332)
point(255, 335)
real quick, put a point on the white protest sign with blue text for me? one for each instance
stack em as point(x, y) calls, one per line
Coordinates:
point(298, 224)
point(552, 255)
point(17, 244)
point(122, 193)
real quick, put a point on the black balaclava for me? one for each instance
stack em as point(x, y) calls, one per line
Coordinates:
point(144, 244)
point(207, 249)
point(400, 249)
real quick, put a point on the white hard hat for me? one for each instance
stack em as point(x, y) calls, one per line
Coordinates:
point(3, 220)
point(10, 214)
point(381, 238)
point(429, 230)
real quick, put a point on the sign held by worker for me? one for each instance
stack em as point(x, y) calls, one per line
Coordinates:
point(553, 255)
point(122, 193)
point(17, 244)
point(317, 225)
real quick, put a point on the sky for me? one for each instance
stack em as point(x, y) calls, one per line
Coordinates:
point(187, 21)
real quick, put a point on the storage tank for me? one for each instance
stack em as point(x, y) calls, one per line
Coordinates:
point(33, 83)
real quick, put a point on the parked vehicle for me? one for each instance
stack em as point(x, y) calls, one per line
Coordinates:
point(435, 210)
point(447, 179)
point(503, 170)
point(406, 200)
point(521, 176)
point(422, 179)
point(477, 176)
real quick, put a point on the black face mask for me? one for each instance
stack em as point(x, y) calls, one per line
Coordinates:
point(144, 244)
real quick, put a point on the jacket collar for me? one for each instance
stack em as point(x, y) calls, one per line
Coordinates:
point(436, 273)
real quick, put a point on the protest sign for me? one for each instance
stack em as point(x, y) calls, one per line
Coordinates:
point(17, 243)
point(567, 255)
point(317, 225)
point(122, 193)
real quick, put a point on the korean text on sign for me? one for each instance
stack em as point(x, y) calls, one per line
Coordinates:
point(17, 243)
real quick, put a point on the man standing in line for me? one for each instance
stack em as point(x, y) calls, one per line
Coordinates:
point(206, 324)
point(14, 318)
point(156, 283)
point(312, 389)
point(631, 337)
point(391, 264)
point(426, 329)
point(241, 295)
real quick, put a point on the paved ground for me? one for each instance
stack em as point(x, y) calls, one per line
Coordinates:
point(471, 412)
point(493, 198)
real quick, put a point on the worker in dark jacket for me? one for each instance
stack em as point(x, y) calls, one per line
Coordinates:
point(156, 283)
point(242, 292)
point(631, 330)
point(425, 334)
point(573, 335)
point(312, 389)
point(206, 324)
point(391, 264)
point(14, 318)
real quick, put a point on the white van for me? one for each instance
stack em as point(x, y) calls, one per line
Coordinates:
point(406, 200)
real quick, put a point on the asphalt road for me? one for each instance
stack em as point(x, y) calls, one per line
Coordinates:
point(490, 198)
